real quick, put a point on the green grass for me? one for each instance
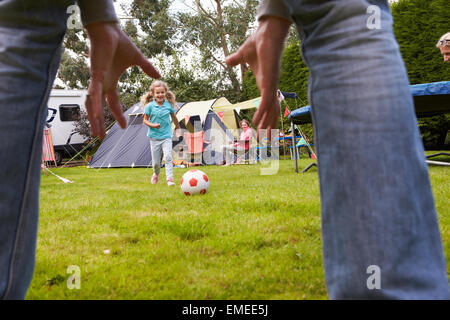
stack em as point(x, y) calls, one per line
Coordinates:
point(250, 237)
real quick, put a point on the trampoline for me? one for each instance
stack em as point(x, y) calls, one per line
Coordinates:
point(430, 99)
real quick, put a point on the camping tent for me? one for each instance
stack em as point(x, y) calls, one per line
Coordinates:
point(228, 116)
point(130, 147)
point(199, 116)
point(127, 147)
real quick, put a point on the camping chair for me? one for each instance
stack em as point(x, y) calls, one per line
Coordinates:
point(194, 142)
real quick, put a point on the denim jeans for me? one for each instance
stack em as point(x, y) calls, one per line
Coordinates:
point(31, 33)
point(377, 207)
point(158, 149)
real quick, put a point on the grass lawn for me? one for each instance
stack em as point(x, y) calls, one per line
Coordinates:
point(251, 236)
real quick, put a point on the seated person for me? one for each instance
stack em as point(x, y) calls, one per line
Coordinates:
point(240, 146)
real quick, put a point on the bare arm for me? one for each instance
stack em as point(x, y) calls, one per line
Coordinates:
point(149, 124)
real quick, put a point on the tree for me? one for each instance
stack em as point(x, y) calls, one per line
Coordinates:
point(213, 29)
point(73, 70)
point(151, 28)
point(186, 84)
point(157, 26)
point(216, 32)
point(417, 26)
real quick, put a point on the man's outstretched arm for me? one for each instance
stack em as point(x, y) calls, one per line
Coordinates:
point(262, 51)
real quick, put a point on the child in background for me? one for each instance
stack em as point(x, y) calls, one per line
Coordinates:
point(158, 116)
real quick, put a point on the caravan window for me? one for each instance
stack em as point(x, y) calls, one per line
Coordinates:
point(69, 112)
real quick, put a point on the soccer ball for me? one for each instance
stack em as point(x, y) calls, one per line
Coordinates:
point(194, 182)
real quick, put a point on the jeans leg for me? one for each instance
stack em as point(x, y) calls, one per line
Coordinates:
point(377, 205)
point(31, 33)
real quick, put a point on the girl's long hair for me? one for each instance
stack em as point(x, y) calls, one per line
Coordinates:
point(170, 96)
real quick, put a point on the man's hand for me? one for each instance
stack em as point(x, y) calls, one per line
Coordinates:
point(262, 51)
point(111, 53)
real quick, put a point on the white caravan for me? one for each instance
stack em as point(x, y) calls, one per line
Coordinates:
point(64, 108)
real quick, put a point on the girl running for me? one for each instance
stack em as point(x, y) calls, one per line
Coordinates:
point(158, 116)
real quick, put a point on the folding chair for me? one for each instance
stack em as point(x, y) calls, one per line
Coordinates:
point(194, 142)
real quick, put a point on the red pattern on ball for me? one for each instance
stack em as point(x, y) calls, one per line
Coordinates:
point(205, 177)
point(193, 182)
point(203, 191)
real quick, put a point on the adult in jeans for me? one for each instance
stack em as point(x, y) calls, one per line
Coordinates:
point(379, 225)
point(31, 33)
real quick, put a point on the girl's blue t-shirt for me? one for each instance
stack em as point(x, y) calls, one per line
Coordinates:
point(160, 114)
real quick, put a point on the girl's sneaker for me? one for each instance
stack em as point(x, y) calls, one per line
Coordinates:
point(170, 182)
point(154, 178)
